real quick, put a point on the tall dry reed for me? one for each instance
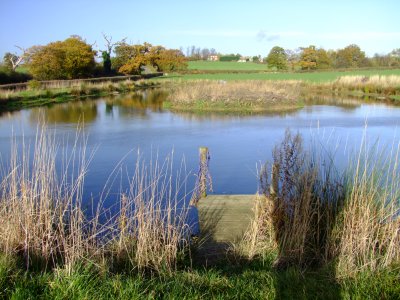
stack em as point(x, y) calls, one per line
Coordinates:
point(42, 218)
point(320, 216)
point(153, 228)
point(306, 199)
point(41, 215)
point(369, 229)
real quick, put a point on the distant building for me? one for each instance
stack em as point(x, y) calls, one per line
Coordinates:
point(245, 59)
point(213, 58)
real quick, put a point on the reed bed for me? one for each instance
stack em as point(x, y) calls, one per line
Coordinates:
point(74, 89)
point(41, 216)
point(319, 216)
point(152, 224)
point(255, 94)
point(381, 85)
point(42, 219)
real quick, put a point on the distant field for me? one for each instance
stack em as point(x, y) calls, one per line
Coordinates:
point(226, 66)
point(313, 77)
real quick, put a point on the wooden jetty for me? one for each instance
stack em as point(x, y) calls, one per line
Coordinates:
point(223, 220)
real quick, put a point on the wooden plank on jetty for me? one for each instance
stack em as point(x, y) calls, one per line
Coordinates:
point(225, 218)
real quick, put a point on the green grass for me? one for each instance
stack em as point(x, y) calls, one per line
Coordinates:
point(255, 280)
point(322, 76)
point(226, 66)
point(22, 69)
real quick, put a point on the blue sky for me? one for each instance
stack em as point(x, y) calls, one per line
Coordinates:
point(245, 27)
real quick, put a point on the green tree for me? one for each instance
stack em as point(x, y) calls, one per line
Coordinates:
point(106, 54)
point(106, 62)
point(68, 59)
point(277, 58)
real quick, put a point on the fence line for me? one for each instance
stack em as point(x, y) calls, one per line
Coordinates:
point(74, 82)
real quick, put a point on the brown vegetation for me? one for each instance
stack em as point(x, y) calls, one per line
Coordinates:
point(314, 216)
point(255, 95)
point(42, 219)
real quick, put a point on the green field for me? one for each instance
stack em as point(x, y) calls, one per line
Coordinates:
point(322, 76)
point(226, 66)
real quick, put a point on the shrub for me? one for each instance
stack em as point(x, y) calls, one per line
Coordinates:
point(34, 84)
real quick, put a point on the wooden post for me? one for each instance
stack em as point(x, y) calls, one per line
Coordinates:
point(200, 190)
point(203, 152)
point(273, 189)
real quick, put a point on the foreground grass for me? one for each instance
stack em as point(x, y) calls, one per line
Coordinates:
point(320, 76)
point(255, 280)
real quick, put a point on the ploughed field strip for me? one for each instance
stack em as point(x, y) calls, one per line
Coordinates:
point(223, 220)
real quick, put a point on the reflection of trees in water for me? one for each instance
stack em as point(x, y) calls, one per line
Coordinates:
point(137, 104)
point(70, 112)
point(9, 114)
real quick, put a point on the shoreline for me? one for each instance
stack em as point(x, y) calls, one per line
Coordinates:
point(250, 96)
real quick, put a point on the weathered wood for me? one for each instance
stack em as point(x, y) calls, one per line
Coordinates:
point(203, 152)
point(225, 218)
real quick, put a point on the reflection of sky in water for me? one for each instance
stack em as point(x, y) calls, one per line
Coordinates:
point(236, 143)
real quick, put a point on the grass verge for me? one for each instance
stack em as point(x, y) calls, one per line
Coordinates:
point(36, 96)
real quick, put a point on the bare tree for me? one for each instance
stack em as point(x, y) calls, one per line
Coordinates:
point(109, 43)
point(15, 59)
point(106, 54)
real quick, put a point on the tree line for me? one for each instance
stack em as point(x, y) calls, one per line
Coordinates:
point(75, 58)
point(313, 58)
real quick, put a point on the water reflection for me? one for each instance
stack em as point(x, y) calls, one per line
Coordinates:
point(123, 106)
point(137, 104)
point(67, 113)
point(142, 104)
point(122, 123)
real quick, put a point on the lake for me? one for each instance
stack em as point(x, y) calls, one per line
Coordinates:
point(118, 126)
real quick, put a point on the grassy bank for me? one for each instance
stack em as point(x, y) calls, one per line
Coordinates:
point(318, 76)
point(261, 92)
point(268, 95)
point(318, 233)
point(255, 280)
point(36, 96)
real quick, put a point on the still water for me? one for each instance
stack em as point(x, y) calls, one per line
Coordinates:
point(117, 127)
